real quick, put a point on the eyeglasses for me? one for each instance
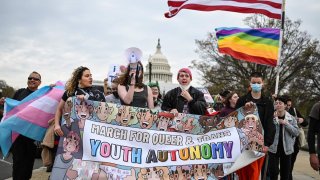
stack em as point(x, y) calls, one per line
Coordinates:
point(33, 78)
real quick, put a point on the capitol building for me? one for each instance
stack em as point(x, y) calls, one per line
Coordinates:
point(160, 68)
point(160, 71)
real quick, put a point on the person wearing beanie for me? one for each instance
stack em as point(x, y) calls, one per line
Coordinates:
point(184, 99)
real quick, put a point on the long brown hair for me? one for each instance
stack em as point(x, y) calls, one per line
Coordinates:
point(124, 78)
point(229, 96)
point(73, 82)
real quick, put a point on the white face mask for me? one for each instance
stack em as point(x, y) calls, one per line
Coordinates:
point(185, 87)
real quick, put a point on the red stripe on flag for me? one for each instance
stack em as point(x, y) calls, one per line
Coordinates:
point(246, 57)
point(273, 4)
point(175, 3)
point(223, 8)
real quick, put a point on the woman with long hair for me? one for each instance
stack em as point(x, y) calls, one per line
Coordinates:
point(131, 89)
point(230, 104)
point(80, 85)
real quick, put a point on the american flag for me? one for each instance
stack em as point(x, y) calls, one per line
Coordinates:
point(270, 8)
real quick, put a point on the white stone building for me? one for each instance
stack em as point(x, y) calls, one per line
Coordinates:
point(160, 71)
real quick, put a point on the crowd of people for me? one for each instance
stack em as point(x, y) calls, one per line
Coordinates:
point(281, 121)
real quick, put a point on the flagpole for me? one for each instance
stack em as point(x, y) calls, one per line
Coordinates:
point(280, 47)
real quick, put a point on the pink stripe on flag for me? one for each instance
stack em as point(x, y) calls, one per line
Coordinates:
point(35, 116)
point(60, 83)
point(55, 94)
point(17, 109)
point(14, 136)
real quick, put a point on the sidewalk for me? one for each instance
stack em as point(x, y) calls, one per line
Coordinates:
point(302, 170)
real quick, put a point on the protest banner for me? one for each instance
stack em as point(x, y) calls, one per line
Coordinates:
point(109, 141)
point(113, 73)
point(206, 94)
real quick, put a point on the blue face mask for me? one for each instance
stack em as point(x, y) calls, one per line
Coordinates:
point(256, 87)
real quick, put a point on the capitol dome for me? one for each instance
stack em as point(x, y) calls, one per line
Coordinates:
point(160, 68)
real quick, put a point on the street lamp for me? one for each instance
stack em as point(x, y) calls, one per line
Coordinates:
point(150, 70)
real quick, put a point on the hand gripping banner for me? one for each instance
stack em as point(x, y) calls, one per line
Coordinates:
point(109, 141)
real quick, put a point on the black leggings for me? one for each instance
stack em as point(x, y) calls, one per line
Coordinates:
point(285, 165)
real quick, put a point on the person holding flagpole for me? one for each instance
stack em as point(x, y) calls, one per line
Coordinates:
point(265, 110)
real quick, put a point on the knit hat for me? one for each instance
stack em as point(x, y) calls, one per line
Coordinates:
point(154, 84)
point(186, 70)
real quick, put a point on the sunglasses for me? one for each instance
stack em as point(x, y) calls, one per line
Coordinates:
point(33, 78)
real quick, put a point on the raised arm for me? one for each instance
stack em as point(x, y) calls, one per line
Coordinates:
point(126, 96)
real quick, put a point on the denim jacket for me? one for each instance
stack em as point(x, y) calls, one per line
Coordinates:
point(290, 132)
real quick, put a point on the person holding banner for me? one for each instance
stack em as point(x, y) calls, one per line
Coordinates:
point(265, 110)
point(283, 145)
point(184, 99)
point(80, 85)
point(131, 89)
point(24, 149)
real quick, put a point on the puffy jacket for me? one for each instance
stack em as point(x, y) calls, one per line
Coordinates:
point(173, 100)
point(290, 132)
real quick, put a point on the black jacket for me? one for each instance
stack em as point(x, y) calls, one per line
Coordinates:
point(265, 110)
point(22, 93)
point(173, 100)
point(314, 129)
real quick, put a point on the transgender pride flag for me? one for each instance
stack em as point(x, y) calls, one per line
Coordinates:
point(30, 116)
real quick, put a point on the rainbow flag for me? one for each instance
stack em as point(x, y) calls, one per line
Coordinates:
point(30, 116)
point(260, 46)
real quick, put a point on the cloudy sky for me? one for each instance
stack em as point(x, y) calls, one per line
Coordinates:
point(54, 37)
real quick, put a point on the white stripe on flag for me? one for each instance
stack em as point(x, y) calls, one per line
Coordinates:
point(45, 104)
point(254, 5)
